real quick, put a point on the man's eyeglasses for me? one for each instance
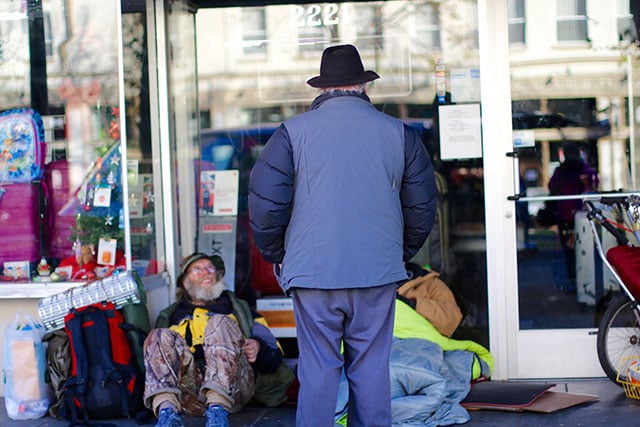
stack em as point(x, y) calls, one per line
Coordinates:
point(200, 269)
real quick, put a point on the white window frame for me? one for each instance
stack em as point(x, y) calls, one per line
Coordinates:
point(627, 31)
point(254, 31)
point(517, 22)
point(428, 31)
point(567, 13)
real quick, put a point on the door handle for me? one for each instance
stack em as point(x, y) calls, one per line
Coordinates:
point(517, 194)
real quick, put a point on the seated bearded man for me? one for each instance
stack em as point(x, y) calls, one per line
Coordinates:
point(209, 350)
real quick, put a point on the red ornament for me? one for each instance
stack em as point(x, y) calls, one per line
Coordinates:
point(114, 129)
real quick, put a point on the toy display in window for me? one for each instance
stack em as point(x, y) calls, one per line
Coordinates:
point(99, 222)
point(84, 265)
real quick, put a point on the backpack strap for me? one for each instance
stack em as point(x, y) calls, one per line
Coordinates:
point(75, 386)
point(80, 364)
point(102, 319)
point(74, 403)
point(101, 329)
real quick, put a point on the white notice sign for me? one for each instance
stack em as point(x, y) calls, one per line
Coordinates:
point(524, 138)
point(226, 192)
point(465, 85)
point(460, 131)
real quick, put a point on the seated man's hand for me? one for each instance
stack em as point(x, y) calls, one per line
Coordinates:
point(251, 349)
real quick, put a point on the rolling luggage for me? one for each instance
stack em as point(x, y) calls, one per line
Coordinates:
point(22, 194)
point(59, 223)
point(22, 207)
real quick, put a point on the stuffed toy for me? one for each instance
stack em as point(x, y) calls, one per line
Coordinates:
point(83, 263)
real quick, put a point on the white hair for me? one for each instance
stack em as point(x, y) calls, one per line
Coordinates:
point(357, 88)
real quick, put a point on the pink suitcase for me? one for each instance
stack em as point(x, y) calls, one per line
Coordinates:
point(21, 221)
point(23, 146)
point(59, 223)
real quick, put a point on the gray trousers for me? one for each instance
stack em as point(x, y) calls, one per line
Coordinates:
point(362, 321)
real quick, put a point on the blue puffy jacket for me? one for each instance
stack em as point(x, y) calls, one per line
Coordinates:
point(341, 196)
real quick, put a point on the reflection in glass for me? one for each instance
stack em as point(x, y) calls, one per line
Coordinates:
point(245, 97)
point(254, 30)
point(572, 20)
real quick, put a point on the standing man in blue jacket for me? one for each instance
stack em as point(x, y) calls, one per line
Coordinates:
point(340, 198)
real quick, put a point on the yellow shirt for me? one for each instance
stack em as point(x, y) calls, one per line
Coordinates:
point(196, 326)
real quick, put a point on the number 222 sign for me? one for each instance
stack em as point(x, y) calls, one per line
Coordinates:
point(315, 15)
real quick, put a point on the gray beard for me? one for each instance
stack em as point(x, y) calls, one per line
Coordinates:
point(207, 294)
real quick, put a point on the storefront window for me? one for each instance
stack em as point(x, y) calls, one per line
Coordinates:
point(59, 62)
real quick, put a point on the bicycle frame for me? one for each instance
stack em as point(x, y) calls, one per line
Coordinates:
point(625, 204)
point(598, 242)
point(619, 328)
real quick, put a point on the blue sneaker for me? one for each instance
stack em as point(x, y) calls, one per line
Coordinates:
point(168, 417)
point(217, 416)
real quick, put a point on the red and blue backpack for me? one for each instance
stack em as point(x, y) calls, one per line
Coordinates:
point(105, 380)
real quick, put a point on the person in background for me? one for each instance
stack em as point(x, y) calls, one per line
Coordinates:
point(210, 353)
point(573, 176)
point(339, 198)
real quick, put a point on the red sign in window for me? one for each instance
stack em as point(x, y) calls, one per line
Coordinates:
point(218, 228)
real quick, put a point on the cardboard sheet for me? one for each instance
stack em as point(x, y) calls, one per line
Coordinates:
point(521, 396)
point(552, 401)
point(507, 394)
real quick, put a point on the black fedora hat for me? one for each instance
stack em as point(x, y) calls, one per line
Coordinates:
point(341, 66)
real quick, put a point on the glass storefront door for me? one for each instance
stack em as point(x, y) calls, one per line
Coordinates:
point(253, 63)
point(572, 88)
point(567, 84)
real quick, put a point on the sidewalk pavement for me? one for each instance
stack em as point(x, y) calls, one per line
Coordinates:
point(612, 409)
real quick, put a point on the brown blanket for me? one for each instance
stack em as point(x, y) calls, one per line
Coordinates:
point(434, 301)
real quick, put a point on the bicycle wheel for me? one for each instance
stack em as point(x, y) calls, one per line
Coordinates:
point(618, 335)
